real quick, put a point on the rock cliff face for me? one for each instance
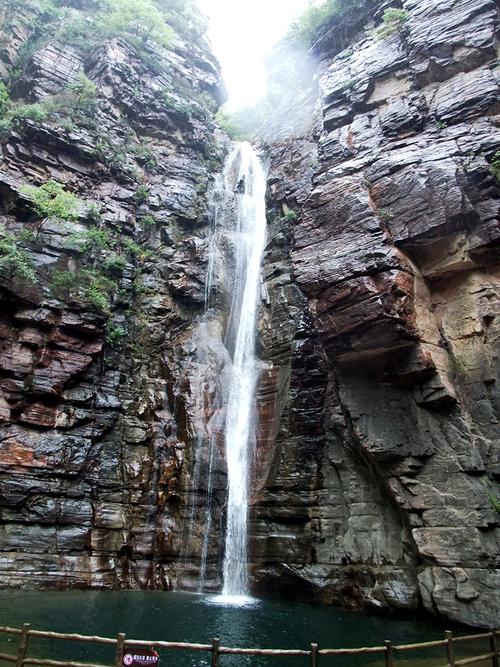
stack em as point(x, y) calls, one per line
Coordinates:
point(379, 451)
point(374, 475)
point(94, 449)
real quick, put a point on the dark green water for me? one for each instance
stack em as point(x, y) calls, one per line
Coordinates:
point(196, 618)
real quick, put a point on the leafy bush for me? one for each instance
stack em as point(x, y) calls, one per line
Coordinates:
point(94, 239)
point(145, 156)
point(494, 502)
point(51, 200)
point(141, 195)
point(290, 216)
point(36, 112)
point(148, 221)
point(89, 285)
point(393, 21)
point(4, 98)
point(140, 20)
point(495, 165)
point(114, 264)
point(93, 212)
point(114, 334)
point(82, 88)
point(13, 258)
point(135, 250)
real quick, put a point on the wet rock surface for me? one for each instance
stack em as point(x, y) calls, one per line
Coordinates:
point(379, 333)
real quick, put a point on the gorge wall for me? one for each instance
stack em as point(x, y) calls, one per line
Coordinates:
point(379, 448)
point(95, 441)
point(377, 463)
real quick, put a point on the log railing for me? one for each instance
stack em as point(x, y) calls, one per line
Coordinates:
point(314, 653)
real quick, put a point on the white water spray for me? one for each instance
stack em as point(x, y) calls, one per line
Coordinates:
point(245, 175)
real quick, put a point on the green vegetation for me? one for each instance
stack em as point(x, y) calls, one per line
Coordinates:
point(147, 221)
point(393, 21)
point(495, 165)
point(385, 214)
point(76, 100)
point(103, 261)
point(494, 501)
point(93, 212)
point(89, 285)
point(82, 92)
point(4, 98)
point(317, 18)
point(14, 258)
point(348, 85)
point(243, 124)
point(141, 195)
point(441, 125)
point(290, 216)
point(141, 21)
point(51, 200)
point(145, 156)
point(114, 334)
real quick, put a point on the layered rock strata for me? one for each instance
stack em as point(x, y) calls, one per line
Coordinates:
point(378, 461)
point(95, 445)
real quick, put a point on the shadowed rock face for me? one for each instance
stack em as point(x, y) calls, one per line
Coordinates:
point(378, 428)
point(380, 331)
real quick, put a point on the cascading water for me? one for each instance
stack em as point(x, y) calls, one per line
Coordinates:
point(227, 364)
point(250, 185)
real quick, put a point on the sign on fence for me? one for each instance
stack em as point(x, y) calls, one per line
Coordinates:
point(134, 656)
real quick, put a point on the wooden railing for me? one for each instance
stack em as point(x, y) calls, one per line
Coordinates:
point(388, 650)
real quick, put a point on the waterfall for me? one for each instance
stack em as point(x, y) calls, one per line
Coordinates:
point(224, 371)
point(249, 183)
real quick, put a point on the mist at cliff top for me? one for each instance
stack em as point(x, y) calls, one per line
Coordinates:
point(242, 33)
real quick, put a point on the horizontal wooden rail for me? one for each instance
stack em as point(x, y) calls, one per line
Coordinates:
point(22, 659)
point(412, 647)
point(263, 651)
point(469, 638)
point(7, 657)
point(352, 651)
point(477, 658)
point(73, 637)
point(58, 663)
point(10, 631)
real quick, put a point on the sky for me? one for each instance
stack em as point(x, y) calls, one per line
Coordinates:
point(242, 33)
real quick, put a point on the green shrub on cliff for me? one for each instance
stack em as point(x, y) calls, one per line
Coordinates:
point(495, 165)
point(494, 502)
point(14, 258)
point(393, 21)
point(4, 98)
point(114, 334)
point(317, 17)
point(88, 285)
point(140, 20)
point(52, 200)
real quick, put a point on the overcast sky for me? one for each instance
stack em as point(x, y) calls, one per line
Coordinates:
point(242, 32)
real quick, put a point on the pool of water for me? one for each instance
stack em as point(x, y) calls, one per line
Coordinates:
point(186, 617)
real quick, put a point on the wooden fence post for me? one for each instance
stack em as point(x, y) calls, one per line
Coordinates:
point(450, 652)
point(494, 650)
point(23, 645)
point(314, 655)
point(388, 653)
point(215, 653)
point(120, 645)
